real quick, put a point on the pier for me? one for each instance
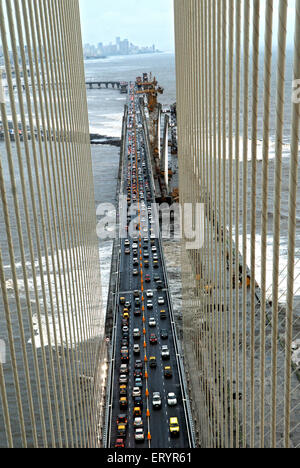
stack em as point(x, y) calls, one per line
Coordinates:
point(122, 86)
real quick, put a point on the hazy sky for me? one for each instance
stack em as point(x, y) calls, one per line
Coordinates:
point(147, 22)
point(143, 22)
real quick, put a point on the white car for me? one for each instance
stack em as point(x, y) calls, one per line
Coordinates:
point(136, 333)
point(136, 392)
point(138, 422)
point(172, 400)
point(161, 301)
point(136, 349)
point(152, 322)
point(139, 435)
point(149, 294)
point(165, 353)
point(156, 401)
point(123, 379)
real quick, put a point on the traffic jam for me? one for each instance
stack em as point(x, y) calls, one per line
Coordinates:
point(144, 369)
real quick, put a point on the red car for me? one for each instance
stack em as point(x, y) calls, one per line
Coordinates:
point(120, 443)
point(153, 338)
point(122, 419)
point(147, 279)
point(138, 373)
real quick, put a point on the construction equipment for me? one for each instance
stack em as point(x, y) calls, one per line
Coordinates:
point(152, 92)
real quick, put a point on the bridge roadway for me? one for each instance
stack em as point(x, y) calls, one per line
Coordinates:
point(156, 421)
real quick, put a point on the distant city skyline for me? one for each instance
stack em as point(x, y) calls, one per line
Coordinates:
point(143, 23)
point(119, 47)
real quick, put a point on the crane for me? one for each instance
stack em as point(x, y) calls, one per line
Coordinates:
point(152, 91)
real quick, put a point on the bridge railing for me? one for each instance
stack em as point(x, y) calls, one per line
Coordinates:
point(238, 132)
point(51, 324)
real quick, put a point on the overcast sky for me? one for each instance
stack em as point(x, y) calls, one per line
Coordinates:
point(143, 22)
point(147, 22)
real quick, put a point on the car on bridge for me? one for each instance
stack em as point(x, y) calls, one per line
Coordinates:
point(137, 412)
point(165, 353)
point(137, 349)
point(139, 435)
point(123, 390)
point(126, 315)
point(153, 362)
point(136, 392)
point(124, 369)
point(138, 382)
point(138, 401)
point(172, 399)
point(138, 422)
point(120, 443)
point(174, 427)
point(136, 333)
point(168, 372)
point(123, 379)
point(138, 373)
point(163, 314)
point(156, 400)
point(164, 334)
point(152, 322)
point(153, 338)
point(122, 431)
point(124, 357)
point(123, 403)
point(122, 419)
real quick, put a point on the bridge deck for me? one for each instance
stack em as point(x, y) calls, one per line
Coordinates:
point(156, 424)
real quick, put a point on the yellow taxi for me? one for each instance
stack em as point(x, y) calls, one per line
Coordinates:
point(123, 390)
point(125, 315)
point(153, 362)
point(137, 412)
point(174, 427)
point(123, 402)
